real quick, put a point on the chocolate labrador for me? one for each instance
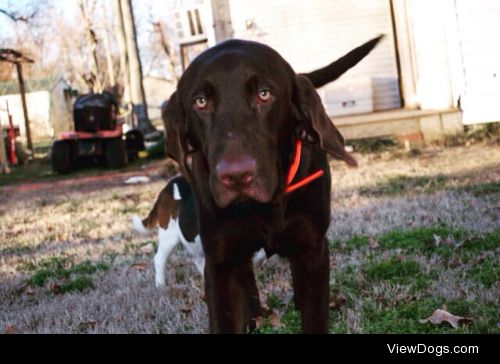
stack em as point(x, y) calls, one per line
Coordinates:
point(252, 137)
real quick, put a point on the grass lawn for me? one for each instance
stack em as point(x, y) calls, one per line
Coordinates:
point(410, 233)
point(403, 276)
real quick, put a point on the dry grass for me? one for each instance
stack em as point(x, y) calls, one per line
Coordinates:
point(82, 226)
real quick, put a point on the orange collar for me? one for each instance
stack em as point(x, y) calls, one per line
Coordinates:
point(295, 167)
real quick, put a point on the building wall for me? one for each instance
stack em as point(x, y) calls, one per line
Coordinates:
point(61, 109)
point(311, 34)
point(38, 112)
point(157, 90)
point(448, 56)
point(478, 24)
point(426, 35)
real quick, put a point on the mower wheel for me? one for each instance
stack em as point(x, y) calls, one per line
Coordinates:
point(61, 156)
point(134, 143)
point(116, 153)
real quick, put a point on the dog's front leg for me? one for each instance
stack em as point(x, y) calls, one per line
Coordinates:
point(232, 296)
point(311, 274)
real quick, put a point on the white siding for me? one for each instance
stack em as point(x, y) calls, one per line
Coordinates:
point(38, 104)
point(311, 34)
point(479, 32)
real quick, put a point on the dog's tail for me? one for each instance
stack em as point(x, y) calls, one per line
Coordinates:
point(138, 225)
point(337, 68)
point(142, 226)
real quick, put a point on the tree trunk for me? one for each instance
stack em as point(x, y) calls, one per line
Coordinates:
point(122, 46)
point(107, 49)
point(136, 88)
point(92, 43)
point(166, 48)
point(20, 79)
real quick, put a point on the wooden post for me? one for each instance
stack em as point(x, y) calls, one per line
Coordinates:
point(25, 108)
point(222, 20)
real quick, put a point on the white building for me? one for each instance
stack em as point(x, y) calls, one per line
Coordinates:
point(49, 105)
point(437, 69)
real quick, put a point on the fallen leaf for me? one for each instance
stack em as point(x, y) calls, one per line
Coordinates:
point(263, 295)
point(360, 277)
point(386, 254)
point(372, 243)
point(400, 258)
point(333, 261)
point(336, 301)
point(55, 288)
point(147, 249)
point(87, 325)
point(403, 297)
point(275, 321)
point(270, 318)
point(259, 322)
point(437, 239)
point(187, 308)
point(266, 311)
point(455, 262)
point(450, 241)
point(196, 285)
point(281, 283)
point(142, 266)
point(10, 329)
point(441, 315)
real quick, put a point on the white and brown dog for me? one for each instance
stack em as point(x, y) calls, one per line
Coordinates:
point(174, 214)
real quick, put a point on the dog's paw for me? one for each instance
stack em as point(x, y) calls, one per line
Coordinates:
point(160, 283)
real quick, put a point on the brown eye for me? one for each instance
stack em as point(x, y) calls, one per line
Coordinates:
point(264, 95)
point(200, 102)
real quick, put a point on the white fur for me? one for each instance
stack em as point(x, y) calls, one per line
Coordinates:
point(138, 225)
point(196, 251)
point(167, 239)
point(177, 194)
point(258, 257)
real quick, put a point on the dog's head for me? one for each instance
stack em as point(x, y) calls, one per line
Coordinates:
point(241, 106)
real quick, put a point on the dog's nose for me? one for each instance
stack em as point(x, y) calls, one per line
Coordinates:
point(236, 173)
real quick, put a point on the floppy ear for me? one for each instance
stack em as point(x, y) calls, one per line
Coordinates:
point(318, 126)
point(172, 120)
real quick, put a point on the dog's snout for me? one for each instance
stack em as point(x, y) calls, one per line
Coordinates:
point(236, 173)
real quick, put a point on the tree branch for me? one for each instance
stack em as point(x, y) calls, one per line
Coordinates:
point(18, 18)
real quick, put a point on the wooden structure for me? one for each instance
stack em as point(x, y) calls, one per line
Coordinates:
point(17, 58)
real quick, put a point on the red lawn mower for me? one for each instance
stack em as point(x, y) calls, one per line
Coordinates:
point(98, 136)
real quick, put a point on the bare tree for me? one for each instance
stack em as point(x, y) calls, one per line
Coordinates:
point(122, 47)
point(81, 50)
point(137, 95)
point(95, 77)
point(17, 17)
point(107, 47)
point(167, 49)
